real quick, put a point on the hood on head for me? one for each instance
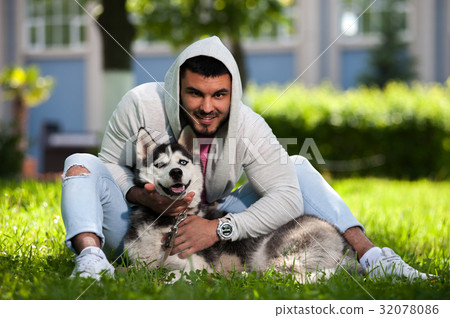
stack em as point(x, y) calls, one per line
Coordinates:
point(212, 47)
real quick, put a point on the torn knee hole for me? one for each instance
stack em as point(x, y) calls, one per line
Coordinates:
point(77, 170)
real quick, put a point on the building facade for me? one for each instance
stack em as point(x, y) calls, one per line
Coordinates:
point(331, 42)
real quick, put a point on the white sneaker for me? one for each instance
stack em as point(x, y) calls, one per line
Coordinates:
point(390, 264)
point(92, 263)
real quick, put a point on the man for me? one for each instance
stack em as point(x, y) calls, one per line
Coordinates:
point(202, 89)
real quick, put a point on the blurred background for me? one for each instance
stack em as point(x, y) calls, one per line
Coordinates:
point(341, 54)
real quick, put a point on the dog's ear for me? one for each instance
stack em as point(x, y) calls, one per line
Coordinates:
point(186, 138)
point(144, 145)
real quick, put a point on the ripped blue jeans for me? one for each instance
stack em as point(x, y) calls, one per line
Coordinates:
point(93, 202)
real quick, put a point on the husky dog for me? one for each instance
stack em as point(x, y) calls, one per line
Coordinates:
point(306, 246)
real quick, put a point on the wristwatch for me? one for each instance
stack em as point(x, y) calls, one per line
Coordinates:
point(225, 229)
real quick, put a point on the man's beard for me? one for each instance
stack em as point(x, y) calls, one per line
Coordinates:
point(204, 131)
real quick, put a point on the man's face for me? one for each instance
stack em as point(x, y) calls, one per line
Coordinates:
point(206, 101)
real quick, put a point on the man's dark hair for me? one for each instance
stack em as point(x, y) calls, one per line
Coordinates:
point(204, 65)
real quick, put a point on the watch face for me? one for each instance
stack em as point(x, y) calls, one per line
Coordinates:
point(227, 230)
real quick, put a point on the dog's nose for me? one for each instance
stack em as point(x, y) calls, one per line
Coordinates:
point(176, 173)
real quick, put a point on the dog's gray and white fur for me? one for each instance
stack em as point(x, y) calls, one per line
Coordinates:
point(304, 245)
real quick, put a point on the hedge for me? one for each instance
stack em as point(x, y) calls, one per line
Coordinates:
point(10, 157)
point(402, 131)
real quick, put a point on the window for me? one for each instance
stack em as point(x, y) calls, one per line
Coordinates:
point(371, 21)
point(54, 24)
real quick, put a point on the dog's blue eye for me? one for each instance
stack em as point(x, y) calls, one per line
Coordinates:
point(183, 162)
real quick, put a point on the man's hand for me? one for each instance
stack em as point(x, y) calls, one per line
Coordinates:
point(194, 234)
point(149, 197)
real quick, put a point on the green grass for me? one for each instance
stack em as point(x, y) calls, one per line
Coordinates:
point(410, 217)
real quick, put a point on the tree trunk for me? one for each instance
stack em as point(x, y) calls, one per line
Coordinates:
point(20, 115)
point(114, 20)
point(117, 41)
point(238, 53)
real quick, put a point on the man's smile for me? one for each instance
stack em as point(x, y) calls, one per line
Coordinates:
point(205, 119)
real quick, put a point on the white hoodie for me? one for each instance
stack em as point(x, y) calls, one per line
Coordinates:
point(246, 143)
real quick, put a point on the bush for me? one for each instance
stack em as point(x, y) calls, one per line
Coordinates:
point(400, 131)
point(10, 157)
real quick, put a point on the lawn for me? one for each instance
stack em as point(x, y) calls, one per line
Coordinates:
point(410, 217)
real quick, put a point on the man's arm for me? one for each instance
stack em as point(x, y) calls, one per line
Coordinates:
point(117, 151)
point(140, 107)
point(272, 175)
